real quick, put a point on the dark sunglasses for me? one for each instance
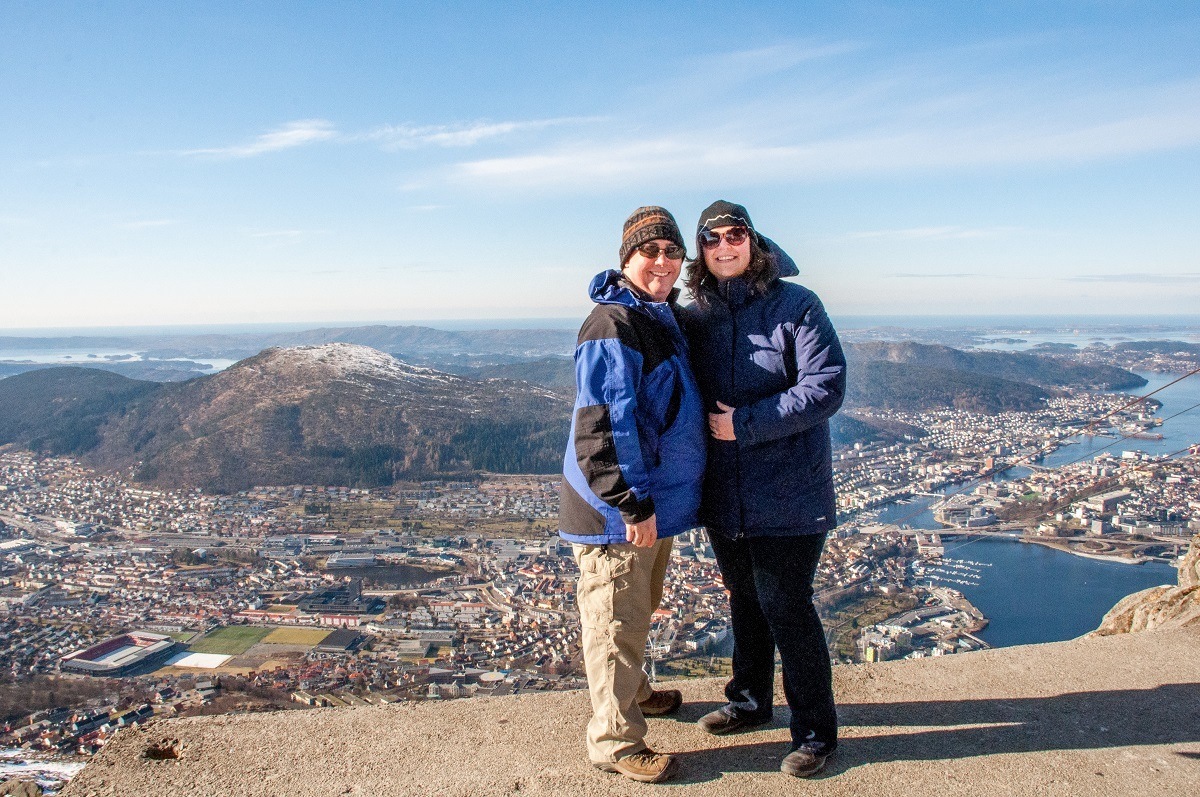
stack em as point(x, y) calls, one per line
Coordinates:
point(652, 251)
point(734, 236)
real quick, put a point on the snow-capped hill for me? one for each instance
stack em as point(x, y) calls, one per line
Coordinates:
point(336, 413)
point(351, 359)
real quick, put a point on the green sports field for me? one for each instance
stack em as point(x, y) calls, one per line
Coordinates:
point(231, 640)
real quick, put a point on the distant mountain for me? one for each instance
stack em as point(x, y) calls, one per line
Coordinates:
point(341, 413)
point(153, 370)
point(905, 376)
point(333, 414)
point(1012, 366)
point(556, 373)
point(1157, 346)
point(410, 343)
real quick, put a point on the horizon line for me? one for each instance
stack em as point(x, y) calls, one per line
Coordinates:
point(569, 322)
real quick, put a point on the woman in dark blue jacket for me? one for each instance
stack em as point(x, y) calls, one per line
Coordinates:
point(772, 372)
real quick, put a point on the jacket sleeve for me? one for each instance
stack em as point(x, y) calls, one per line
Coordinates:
point(820, 385)
point(607, 446)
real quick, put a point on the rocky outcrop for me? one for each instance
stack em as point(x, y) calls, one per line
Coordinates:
point(1159, 607)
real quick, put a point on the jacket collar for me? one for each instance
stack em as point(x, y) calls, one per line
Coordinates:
point(611, 287)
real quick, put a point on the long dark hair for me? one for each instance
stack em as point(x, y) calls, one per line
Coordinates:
point(762, 271)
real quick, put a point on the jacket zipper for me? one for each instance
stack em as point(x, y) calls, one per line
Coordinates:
point(737, 460)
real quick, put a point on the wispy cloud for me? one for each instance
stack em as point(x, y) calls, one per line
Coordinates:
point(465, 134)
point(959, 275)
point(282, 233)
point(146, 224)
point(933, 114)
point(744, 65)
point(945, 233)
point(1132, 277)
point(288, 136)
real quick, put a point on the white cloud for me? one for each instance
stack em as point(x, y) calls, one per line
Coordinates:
point(287, 136)
point(286, 234)
point(146, 224)
point(1138, 278)
point(935, 113)
point(743, 65)
point(465, 134)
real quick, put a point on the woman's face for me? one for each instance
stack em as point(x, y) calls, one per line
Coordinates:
point(654, 276)
point(726, 261)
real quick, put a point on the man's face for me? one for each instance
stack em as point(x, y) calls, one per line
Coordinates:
point(654, 276)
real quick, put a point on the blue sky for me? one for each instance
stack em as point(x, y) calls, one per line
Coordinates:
point(178, 163)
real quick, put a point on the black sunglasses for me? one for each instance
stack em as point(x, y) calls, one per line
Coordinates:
point(652, 251)
point(734, 236)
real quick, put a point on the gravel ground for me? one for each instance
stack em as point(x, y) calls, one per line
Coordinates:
point(1117, 715)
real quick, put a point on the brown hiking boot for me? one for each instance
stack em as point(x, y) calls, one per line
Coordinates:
point(805, 760)
point(644, 767)
point(661, 703)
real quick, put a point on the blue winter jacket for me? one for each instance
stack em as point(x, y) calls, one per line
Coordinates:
point(637, 444)
point(776, 358)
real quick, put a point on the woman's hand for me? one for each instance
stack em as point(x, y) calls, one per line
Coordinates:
point(720, 424)
point(643, 534)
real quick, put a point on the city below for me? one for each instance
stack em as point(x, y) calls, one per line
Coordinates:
point(120, 602)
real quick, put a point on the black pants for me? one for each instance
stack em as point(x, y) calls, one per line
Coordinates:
point(770, 601)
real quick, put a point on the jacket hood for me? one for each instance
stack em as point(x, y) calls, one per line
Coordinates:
point(783, 261)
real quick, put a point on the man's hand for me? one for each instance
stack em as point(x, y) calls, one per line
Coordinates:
point(643, 534)
point(720, 424)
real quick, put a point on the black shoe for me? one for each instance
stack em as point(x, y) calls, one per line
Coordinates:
point(806, 759)
point(727, 719)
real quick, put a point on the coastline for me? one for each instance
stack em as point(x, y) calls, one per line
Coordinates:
point(1099, 557)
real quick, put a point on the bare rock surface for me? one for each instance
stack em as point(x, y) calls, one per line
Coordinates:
point(1116, 715)
point(1159, 607)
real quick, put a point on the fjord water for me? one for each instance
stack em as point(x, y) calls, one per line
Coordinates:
point(1031, 593)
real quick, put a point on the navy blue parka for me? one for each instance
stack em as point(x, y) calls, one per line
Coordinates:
point(776, 358)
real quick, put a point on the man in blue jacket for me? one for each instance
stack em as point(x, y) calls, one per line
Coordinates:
point(631, 481)
point(770, 365)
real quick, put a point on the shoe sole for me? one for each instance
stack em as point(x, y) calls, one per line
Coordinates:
point(611, 768)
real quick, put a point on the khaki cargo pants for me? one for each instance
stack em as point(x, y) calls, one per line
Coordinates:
point(620, 587)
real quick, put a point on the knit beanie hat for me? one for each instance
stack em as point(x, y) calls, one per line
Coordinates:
point(647, 224)
point(723, 213)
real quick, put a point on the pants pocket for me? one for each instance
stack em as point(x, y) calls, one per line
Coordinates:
point(603, 574)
